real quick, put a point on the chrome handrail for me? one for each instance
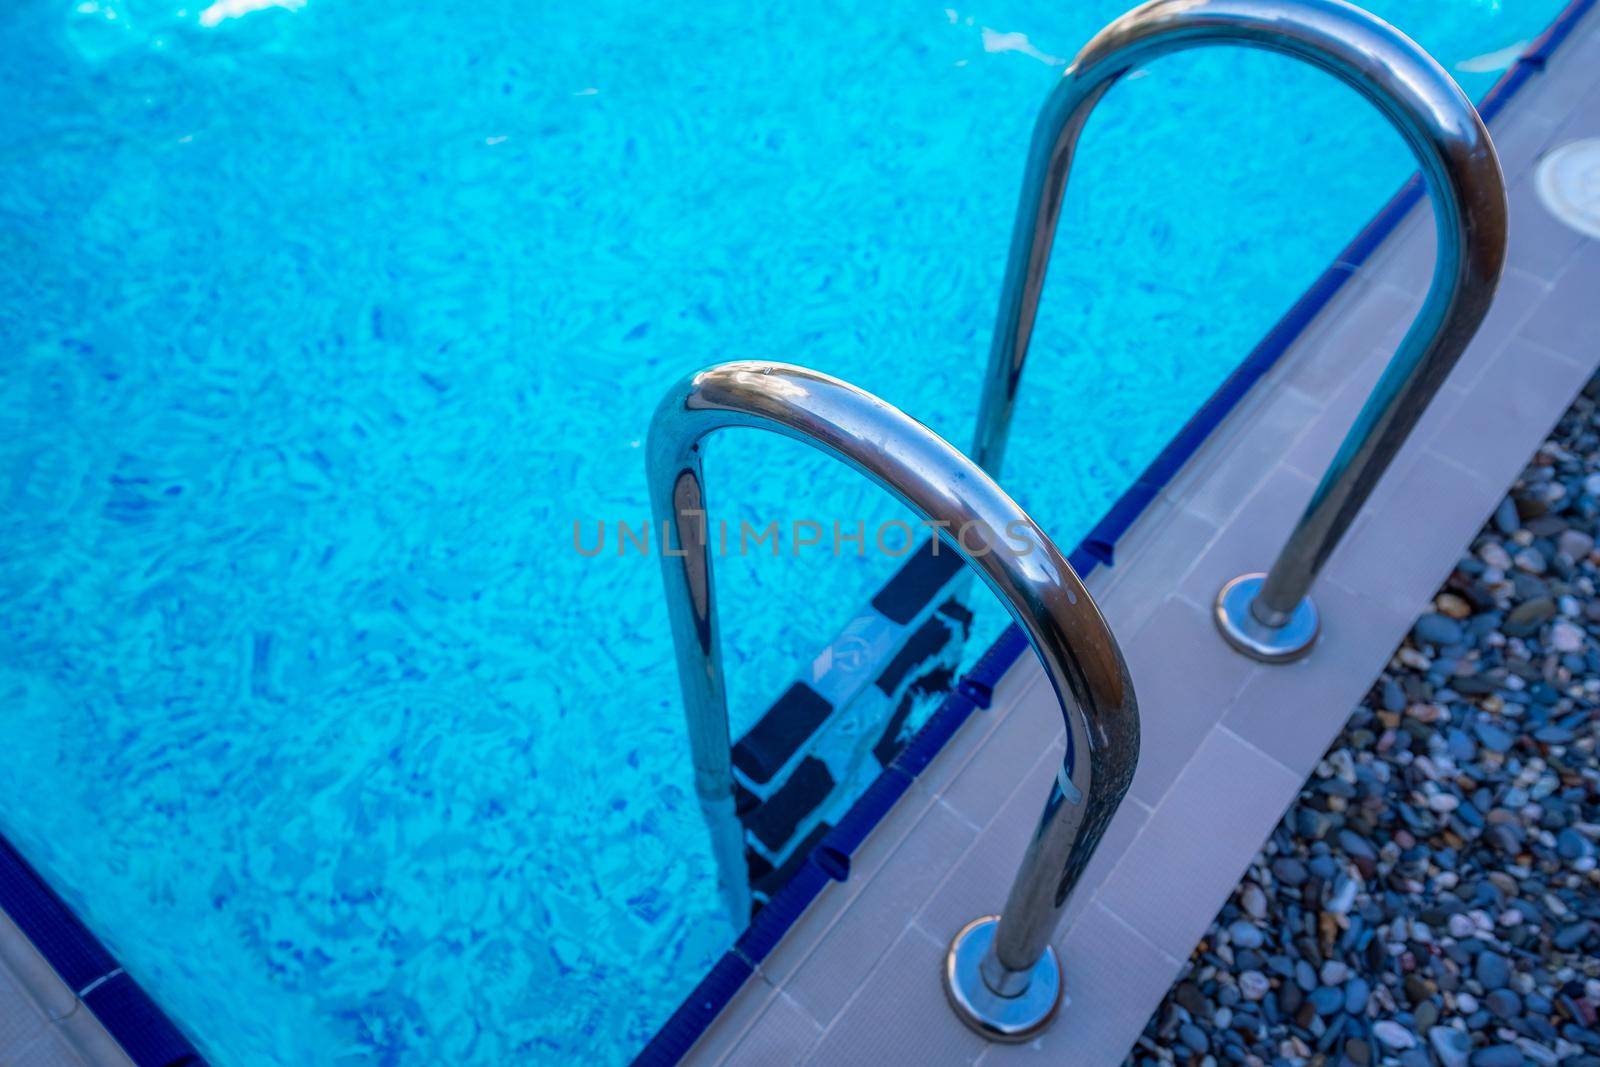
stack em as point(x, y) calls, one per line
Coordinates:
point(1001, 975)
point(1270, 616)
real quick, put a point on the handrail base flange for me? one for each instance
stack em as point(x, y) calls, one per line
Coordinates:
point(1008, 1019)
point(1268, 644)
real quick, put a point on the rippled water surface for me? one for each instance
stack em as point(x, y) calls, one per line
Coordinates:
point(322, 323)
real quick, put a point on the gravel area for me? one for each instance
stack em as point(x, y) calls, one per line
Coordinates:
point(1431, 897)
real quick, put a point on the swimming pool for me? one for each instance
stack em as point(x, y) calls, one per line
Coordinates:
point(324, 326)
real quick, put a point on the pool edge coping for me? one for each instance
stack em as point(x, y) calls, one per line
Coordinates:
point(829, 861)
point(128, 1014)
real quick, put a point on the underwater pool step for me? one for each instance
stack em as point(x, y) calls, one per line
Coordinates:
point(808, 757)
point(775, 740)
point(775, 820)
point(860, 738)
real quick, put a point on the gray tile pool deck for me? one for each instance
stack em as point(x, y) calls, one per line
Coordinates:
point(1226, 742)
point(42, 1022)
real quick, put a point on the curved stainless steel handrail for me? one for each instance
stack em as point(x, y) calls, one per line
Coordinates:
point(999, 966)
point(1270, 617)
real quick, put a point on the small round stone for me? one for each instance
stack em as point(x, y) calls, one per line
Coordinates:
point(1453, 1047)
point(1246, 935)
point(1566, 637)
point(1289, 871)
point(1530, 560)
point(1504, 1003)
point(1497, 1056)
point(1491, 970)
point(1326, 1000)
point(1437, 629)
point(1356, 992)
point(1393, 1034)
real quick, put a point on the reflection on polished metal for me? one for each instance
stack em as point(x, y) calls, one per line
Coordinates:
point(1464, 182)
point(1014, 558)
point(997, 1017)
point(1269, 644)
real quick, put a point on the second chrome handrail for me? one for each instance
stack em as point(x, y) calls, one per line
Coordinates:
point(1001, 975)
point(1270, 616)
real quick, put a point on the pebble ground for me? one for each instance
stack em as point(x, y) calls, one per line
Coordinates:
point(1432, 897)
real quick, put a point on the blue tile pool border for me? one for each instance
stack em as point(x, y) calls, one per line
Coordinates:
point(830, 860)
point(87, 968)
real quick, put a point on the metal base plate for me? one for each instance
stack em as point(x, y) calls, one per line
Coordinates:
point(1011, 1019)
point(1258, 641)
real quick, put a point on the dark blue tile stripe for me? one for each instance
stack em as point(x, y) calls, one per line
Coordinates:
point(774, 920)
point(975, 688)
point(685, 1026)
point(935, 733)
point(834, 851)
point(74, 953)
point(145, 1034)
point(1545, 45)
point(125, 1010)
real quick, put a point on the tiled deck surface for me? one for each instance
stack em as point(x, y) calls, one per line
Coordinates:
point(42, 1022)
point(1226, 742)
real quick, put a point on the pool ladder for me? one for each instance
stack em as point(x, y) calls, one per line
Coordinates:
point(1001, 975)
point(1269, 616)
point(1005, 969)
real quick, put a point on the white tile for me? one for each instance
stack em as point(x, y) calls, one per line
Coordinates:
point(1150, 561)
point(1213, 482)
point(1252, 538)
point(51, 1049)
point(1566, 320)
point(729, 1028)
point(1189, 855)
point(29, 971)
point(977, 883)
point(878, 915)
point(784, 1035)
point(1520, 134)
point(1183, 676)
point(1292, 711)
point(1032, 725)
point(899, 1014)
point(1366, 318)
point(1540, 245)
point(1125, 826)
point(1518, 294)
point(1416, 524)
point(20, 1021)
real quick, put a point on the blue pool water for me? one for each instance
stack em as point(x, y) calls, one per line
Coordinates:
point(322, 326)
